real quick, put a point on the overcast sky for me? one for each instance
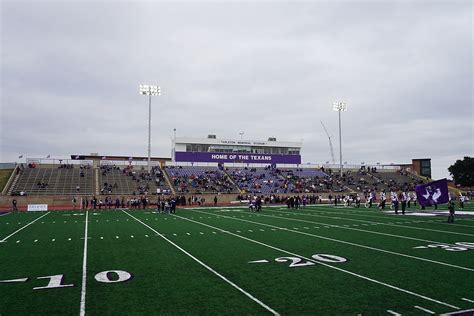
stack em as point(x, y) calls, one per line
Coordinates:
point(71, 70)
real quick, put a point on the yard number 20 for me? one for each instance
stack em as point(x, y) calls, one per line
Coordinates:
point(298, 262)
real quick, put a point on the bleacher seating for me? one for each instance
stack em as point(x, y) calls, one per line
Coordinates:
point(200, 180)
point(54, 181)
point(359, 181)
point(257, 180)
point(129, 181)
point(397, 180)
point(114, 180)
point(311, 181)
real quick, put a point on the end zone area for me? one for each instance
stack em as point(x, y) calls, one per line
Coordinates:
point(315, 260)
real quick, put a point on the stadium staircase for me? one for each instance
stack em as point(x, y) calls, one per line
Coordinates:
point(380, 183)
point(96, 181)
point(416, 177)
point(348, 188)
point(15, 180)
point(232, 181)
point(168, 181)
point(360, 182)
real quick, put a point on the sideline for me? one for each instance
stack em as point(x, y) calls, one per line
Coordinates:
point(386, 224)
point(356, 229)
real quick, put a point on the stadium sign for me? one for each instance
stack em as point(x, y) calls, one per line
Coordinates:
point(37, 207)
point(236, 158)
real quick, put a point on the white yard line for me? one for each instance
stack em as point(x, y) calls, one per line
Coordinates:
point(451, 224)
point(322, 263)
point(467, 300)
point(3, 214)
point(82, 310)
point(4, 239)
point(357, 229)
point(208, 267)
point(347, 242)
point(436, 221)
point(463, 312)
point(424, 309)
point(386, 224)
point(393, 313)
point(14, 280)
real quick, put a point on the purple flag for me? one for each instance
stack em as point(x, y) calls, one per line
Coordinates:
point(432, 193)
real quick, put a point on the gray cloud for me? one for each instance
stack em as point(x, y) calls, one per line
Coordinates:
point(71, 70)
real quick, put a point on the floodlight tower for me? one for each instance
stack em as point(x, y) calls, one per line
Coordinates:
point(340, 106)
point(150, 91)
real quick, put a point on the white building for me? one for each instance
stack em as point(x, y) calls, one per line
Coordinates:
point(213, 150)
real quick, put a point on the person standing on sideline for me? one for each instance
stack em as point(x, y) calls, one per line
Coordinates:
point(461, 201)
point(74, 202)
point(258, 204)
point(382, 200)
point(215, 200)
point(394, 198)
point(163, 205)
point(173, 206)
point(451, 212)
point(371, 198)
point(14, 207)
point(403, 198)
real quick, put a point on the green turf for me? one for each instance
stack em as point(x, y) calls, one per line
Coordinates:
point(386, 267)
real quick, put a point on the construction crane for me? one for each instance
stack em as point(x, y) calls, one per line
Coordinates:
point(330, 143)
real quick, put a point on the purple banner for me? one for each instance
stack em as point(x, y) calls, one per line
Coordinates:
point(432, 193)
point(237, 158)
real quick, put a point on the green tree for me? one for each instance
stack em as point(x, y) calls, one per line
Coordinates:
point(463, 172)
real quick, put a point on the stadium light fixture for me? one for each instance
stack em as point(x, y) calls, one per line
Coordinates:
point(340, 107)
point(149, 90)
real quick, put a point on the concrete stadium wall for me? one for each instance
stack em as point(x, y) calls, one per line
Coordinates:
point(65, 202)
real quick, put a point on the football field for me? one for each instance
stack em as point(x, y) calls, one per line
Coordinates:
point(318, 260)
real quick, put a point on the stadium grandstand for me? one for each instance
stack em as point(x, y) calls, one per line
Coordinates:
point(207, 167)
